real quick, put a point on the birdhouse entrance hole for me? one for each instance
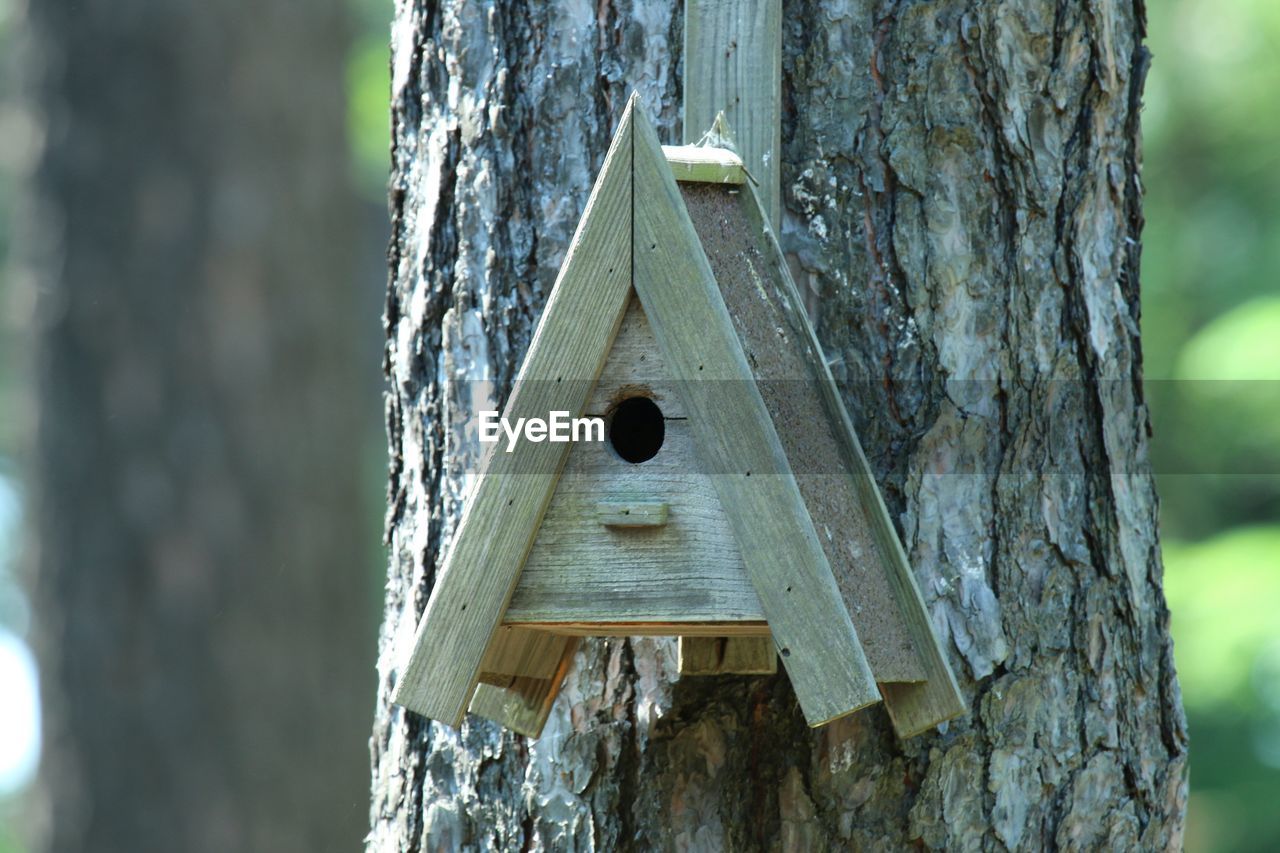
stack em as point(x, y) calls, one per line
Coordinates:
point(636, 429)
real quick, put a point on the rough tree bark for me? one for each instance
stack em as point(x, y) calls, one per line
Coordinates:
point(962, 199)
point(204, 612)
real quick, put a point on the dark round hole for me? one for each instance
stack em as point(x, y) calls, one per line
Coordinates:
point(636, 429)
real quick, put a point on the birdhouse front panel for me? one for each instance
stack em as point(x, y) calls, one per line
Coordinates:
point(635, 540)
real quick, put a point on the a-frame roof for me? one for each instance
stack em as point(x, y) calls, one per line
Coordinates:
point(636, 233)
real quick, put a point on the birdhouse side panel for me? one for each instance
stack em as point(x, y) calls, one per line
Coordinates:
point(735, 434)
point(783, 366)
point(849, 512)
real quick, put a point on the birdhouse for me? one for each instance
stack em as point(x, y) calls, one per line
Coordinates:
point(729, 502)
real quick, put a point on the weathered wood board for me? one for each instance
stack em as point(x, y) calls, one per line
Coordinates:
point(733, 64)
point(518, 652)
point(687, 570)
point(831, 470)
point(654, 629)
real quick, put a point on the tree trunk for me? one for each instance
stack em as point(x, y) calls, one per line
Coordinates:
point(961, 198)
point(204, 632)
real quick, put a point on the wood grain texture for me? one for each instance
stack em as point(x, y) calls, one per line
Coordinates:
point(519, 652)
point(704, 164)
point(732, 85)
point(733, 64)
point(633, 513)
point(839, 490)
point(727, 656)
point(635, 367)
point(509, 497)
point(596, 628)
point(688, 570)
point(524, 705)
point(736, 440)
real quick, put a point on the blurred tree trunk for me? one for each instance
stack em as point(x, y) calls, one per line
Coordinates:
point(962, 200)
point(205, 615)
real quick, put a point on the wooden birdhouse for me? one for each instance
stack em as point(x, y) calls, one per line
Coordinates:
point(729, 505)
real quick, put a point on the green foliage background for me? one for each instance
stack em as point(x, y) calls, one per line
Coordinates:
point(1211, 337)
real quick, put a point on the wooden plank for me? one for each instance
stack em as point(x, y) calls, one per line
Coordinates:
point(689, 569)
point(632, 513)
point(736, 440)
point(707, 655)
point(733, 64)
point(510, 495)
point(727, 656)
point(518, 652)
point(526, 703)
point(595, 628)
point(634, 367)
point(839, 490)
point(704, 164)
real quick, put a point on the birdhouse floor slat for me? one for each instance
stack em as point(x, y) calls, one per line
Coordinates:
point(524, 705)
point(727, 656)
point(520, 652)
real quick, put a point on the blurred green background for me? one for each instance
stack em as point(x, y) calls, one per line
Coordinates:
point(1211, 339)
point(1211, 333)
